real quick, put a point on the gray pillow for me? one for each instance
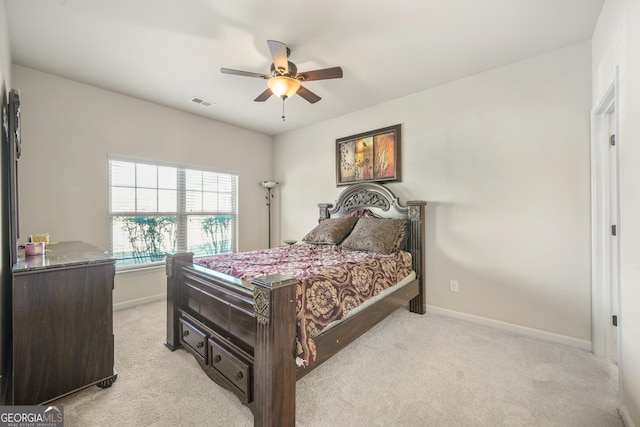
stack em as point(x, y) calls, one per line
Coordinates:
point(380, 235)
point(331, 231)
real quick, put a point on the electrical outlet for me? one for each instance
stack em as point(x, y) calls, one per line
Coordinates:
point(453, 285)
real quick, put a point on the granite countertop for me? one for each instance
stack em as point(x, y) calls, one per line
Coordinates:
point(63, 254)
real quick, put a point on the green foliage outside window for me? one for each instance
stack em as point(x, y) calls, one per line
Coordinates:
point(150, 237)
point(216, 233)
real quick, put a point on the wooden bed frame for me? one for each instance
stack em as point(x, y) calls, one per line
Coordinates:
point(243, 334)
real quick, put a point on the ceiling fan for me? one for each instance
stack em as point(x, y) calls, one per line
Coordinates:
point(284, 79)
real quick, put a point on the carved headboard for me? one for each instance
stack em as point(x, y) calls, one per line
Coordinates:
point(384, 204)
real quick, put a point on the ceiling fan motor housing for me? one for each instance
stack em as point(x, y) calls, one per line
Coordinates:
point(293, 71)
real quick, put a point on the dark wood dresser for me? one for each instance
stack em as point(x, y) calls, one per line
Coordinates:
point(62, 322)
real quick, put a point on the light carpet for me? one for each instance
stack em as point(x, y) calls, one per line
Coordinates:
point(409, 370)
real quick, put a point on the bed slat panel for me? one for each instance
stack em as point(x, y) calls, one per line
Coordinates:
point(338, 337)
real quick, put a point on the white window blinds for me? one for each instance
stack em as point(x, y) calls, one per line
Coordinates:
point(160, 208)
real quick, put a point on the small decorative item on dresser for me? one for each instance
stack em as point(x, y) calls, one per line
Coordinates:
point(34, 248)
point(42, 237)
point(290, 242)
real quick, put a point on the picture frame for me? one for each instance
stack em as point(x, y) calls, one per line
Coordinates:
point(372, 156)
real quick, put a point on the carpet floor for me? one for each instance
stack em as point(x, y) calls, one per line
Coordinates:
point(409, 370)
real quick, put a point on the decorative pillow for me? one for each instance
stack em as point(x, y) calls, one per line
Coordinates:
point(331, 231)
point(379, 235)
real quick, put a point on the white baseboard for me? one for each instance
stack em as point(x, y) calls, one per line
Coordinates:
point(626, 418)
point(537, 333)
point(133, 303)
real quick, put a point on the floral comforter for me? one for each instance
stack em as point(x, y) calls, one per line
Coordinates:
point(333, 281)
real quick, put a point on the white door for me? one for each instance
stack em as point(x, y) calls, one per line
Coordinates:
point(606, 229)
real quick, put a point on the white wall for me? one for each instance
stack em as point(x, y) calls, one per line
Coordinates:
point(502, 158)
point(5, 54)
point(616, 42)
point(69, 129)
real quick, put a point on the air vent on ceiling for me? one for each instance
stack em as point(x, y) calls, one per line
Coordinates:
point(201, 102)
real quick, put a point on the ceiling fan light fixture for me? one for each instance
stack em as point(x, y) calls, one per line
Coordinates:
point(283, 86)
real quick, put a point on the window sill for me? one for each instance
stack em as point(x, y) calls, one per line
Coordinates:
point(143, 269)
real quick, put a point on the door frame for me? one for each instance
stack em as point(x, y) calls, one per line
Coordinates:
point(601, 221)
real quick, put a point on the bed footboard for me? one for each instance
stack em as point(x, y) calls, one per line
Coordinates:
point(242, 334)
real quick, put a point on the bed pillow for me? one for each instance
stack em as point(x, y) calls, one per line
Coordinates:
point(384, 236)
point(331, 231)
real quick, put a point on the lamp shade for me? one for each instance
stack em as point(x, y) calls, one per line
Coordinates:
point(283, 86)
point(268, 184)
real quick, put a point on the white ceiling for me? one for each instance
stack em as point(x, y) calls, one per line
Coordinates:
point(169, 51)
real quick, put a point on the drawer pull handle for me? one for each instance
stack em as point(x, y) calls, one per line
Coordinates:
point(238, 376)
point(200, 344)
point(217, 358)
point(185, 334)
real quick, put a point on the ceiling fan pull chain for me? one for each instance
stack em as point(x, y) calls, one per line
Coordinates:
point(283, 98)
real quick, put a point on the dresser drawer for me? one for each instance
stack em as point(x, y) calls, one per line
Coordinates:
point(232, 368)
point(193, 339)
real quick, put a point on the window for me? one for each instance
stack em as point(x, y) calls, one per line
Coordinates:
point(158, 208)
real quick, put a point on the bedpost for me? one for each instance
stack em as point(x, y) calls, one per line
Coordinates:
point(324, 210)
point(173, 269)
point(416, 230)
point(274, 357)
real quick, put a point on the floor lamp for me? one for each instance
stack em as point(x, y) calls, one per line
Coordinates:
point(269, 186)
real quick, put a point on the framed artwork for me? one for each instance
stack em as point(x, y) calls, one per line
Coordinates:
point(372, 156)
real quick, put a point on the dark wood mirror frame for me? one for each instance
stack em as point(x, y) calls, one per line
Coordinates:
point(15, 150)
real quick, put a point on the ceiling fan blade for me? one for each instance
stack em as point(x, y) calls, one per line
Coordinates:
point(324, 74)
point(279, 54)
point(308, 95)
point(243, 73)
point(264, 95)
